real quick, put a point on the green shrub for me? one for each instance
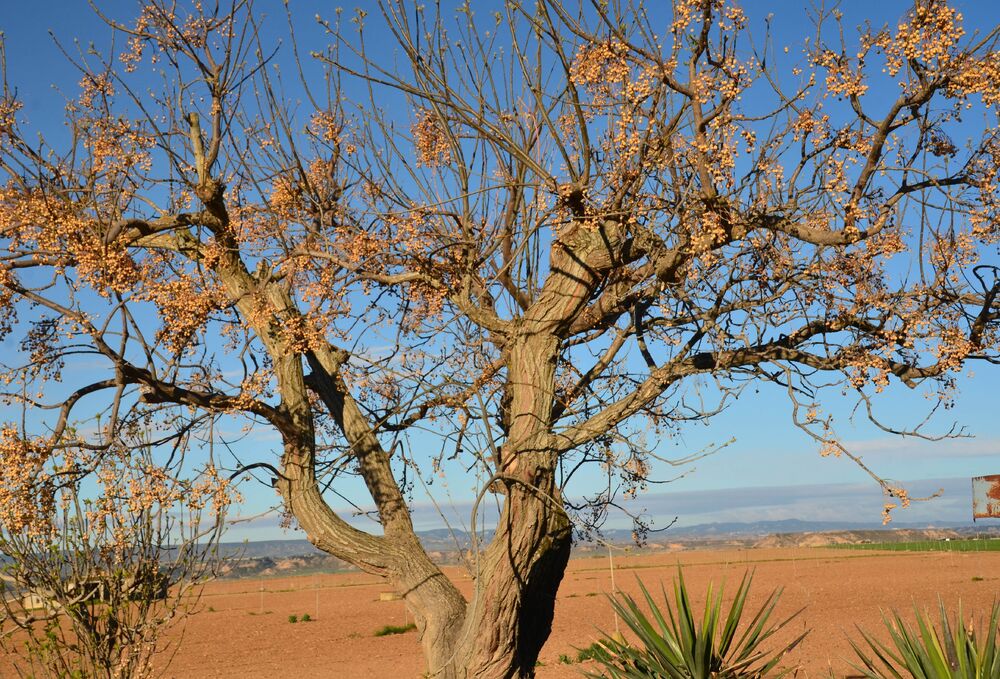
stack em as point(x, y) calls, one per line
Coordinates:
point(306, 617)
point(394, 629)
point(950, 651)
point(293, 618)
point(676, 646)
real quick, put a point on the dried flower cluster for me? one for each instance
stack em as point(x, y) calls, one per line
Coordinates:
point(27, 495)
point(430, 140)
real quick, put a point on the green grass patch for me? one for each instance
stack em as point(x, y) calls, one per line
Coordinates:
point(592, 651)
point(970, 545)
point(394, 629)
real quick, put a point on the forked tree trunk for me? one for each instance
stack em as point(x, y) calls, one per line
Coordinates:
point(499, 633)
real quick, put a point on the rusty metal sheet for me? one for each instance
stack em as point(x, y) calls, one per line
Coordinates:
point(986, 497)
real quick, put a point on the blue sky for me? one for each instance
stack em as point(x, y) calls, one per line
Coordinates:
point(771, 470)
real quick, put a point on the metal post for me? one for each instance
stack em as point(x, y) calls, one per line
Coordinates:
point(614, 588)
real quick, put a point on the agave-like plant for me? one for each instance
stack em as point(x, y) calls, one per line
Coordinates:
point(676, 646)
point(952, 651)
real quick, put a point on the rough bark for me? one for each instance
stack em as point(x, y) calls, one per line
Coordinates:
point(510, 616)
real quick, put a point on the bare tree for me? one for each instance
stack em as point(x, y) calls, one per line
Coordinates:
point(534, 233)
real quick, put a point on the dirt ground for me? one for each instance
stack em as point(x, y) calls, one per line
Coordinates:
point(243, 629)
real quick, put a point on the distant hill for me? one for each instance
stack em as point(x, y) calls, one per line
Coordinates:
point(799, 526)
point(862, 536)
point(285, 557)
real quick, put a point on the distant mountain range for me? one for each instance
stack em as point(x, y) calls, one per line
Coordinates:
point(799, 526)
point(445, 541)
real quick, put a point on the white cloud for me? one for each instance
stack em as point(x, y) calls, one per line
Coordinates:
point(916, 448)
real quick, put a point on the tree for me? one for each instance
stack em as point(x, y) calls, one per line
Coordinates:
point(537, 232)
point(90, 591)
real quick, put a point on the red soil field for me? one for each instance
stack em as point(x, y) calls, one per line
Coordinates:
point(241, 633)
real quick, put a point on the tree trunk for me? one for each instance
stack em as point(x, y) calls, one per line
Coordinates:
point(510, 616)
point(437, 606)
point(517, 577)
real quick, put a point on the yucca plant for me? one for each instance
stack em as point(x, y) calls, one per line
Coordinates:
point(952, 651)
point(674, 645)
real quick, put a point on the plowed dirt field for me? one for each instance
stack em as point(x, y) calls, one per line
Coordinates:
point(243, 629)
